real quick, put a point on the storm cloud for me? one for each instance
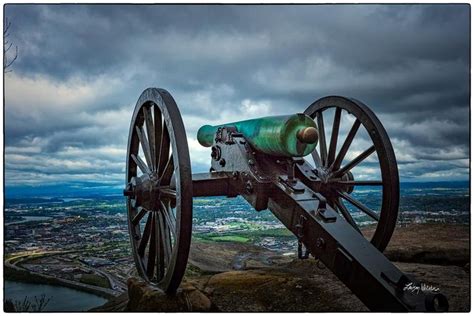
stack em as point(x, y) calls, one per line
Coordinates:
point(81, 68)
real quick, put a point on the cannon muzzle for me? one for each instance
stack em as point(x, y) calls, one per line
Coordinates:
point(288, 135)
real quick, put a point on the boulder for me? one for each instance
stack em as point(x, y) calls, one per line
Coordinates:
point(143, 297)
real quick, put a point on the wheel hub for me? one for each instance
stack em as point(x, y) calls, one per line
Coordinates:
point(323, 175)
point(146, 191)
point(330, 184)
point(348, 176)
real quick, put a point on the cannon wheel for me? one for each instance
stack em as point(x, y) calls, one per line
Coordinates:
point(159, 190)
point(339, 181)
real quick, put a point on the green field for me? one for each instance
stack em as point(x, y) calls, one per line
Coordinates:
point(94, 279)
point(233, 238)
point(243, 236)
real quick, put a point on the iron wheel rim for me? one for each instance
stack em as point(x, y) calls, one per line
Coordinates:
point(384, 150)
point(167, 268)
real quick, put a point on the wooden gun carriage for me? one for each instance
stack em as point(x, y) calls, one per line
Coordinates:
point(263, 161)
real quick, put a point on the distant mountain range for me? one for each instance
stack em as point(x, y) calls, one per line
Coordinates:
point(88, 189)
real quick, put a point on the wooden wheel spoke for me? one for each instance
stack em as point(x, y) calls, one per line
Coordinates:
point(141, 164)
point(138, 217)
point(158, 126)
point(160, 268)
point(164, 150)
point(345, 213)
point(165, 239)
point(334, 136)
point(359, 205)
point(145, 237)
point(145, 145)
point(170, 220)
point(322, 138)
point(168, 245)
point(167, 193)
point(151, 135)
point(152, 249)
point(355, 161)
point(316, 158)
point(172, 215)
point(345, 146)
point(168, 171)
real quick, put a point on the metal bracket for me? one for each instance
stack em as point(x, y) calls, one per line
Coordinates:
point(294, 185)
point(324, 214)
point(300, 235)
point(302, 255)
point(225, 134)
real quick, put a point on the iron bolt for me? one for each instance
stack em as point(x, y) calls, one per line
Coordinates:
point(235, 175)
point(320, 243)
point(222, 162)
point(249, 186)
point(215, 152)
point(299, 161)
point(251, 162)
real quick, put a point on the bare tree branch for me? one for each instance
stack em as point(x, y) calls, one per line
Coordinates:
point(8, 59)
point(8, 48)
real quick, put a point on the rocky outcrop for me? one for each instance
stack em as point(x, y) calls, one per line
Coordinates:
point(144, 298)
point(232, 277)
point(275, 290)
point(441, 244)
point(453, 281)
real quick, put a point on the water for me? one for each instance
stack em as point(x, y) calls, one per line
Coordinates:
point(75, 199)
point(31, 219)
point(62, 298)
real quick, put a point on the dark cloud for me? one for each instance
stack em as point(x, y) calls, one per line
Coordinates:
point(82, 67)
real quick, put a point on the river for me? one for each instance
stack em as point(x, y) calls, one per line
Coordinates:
point(62, 298)
point(30, 219)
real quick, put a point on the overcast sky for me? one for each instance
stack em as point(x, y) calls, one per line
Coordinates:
point(80, 70)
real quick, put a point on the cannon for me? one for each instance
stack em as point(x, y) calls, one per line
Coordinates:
point(263, 160)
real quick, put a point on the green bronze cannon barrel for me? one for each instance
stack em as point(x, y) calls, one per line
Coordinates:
point(287, 135)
